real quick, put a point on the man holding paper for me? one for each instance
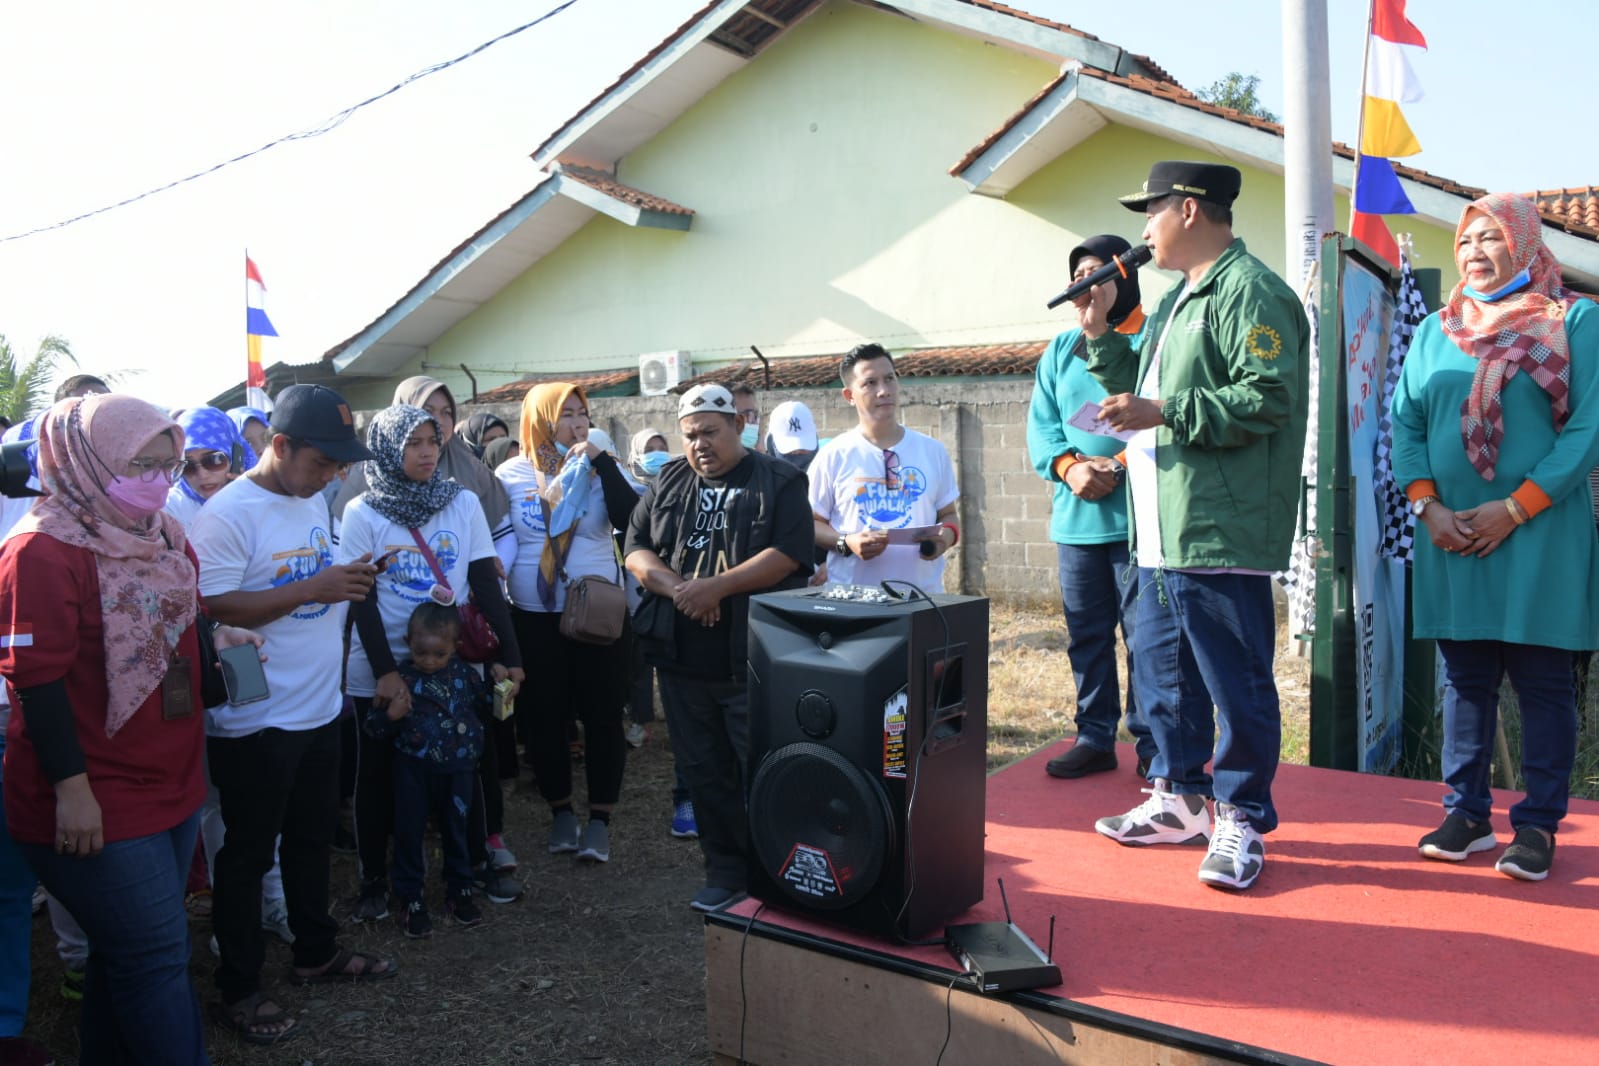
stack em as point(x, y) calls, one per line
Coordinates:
point(883, 495)
point(1074, 451)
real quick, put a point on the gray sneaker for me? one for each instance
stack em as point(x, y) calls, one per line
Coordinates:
point(563, 833)
point(1237, 852)
point(275, 919)
point(1164, 818)
point(596, 845)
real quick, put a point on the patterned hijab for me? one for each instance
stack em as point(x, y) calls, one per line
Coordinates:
point(240, 415)
point(147, 583)
point(388, 491)
point(1523, 331)
point(541, 410)
point(206, 427)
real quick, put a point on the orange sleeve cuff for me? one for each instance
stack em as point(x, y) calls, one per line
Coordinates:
point(1421, 487)
point(1121, 457)
point(1531, 498)
point(1066, 462)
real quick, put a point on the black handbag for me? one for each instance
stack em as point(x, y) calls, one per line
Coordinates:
point(655, 618)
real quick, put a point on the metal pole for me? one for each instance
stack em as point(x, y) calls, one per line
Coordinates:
point(1307, 136)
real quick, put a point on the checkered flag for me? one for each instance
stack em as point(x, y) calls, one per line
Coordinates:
point(1398, 524)
point(1299, 580)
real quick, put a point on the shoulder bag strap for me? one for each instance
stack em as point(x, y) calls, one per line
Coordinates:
point(433, 562)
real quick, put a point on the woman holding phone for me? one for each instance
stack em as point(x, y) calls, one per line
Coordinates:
point(103, 782)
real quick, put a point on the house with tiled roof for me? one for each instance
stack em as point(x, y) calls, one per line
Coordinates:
point(801, 175)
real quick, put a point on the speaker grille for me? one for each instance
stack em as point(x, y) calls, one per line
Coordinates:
point(820, 827)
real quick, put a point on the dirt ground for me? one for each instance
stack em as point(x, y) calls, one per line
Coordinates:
point(597, 964)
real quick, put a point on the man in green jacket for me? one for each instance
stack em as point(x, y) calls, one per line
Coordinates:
point(1215, 394)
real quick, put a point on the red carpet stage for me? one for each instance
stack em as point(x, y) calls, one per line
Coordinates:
point(1350, 948)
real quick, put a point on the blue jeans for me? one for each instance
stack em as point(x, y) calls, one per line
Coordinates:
point(1547, 697)
point(1203, 653)
point(1098, 589)
point(16, 930)
point(139, 1005)
point(421, 789)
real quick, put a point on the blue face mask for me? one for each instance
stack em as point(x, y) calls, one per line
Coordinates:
point(651, 462)
point(750, 435)
point(1515, 284)
point(561, 449)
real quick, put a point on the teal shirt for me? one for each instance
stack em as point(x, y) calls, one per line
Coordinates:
point(1541, 586)
point(1063, 384)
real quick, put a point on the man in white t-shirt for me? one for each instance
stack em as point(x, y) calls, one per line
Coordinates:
point(265, 547)
point(883, 495)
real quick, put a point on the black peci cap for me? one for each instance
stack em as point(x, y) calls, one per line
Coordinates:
point(320, 417)
point(1214, 182)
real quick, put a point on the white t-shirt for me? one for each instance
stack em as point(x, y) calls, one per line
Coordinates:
point(855, 485)
point(592, 551)
point(458, 535)
point(250, 539)
point(182, 506)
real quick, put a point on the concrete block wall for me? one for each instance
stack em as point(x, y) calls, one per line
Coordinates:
point(1005, 552)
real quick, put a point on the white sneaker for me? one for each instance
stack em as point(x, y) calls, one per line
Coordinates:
point(635, 734)
point(1164, 818)
point(275, 919)
point(1237, 852)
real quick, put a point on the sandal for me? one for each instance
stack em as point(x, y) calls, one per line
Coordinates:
point(255, 1019)
point(198, 903)
point(348, 965)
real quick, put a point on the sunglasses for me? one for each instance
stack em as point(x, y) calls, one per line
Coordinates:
point(209, 461)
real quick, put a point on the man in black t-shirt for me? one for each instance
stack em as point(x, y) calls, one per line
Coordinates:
point(715, 527)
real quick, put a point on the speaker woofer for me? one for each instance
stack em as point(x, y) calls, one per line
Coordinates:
point(819, 825)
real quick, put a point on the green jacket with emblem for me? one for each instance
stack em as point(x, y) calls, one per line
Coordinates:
point(1233, 378)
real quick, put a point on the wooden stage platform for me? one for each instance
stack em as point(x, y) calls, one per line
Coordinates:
point(1350, 948)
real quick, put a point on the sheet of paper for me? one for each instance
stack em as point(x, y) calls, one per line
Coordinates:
point(1087, 418)
point(914, 535)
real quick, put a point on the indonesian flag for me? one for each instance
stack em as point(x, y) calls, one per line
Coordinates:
point(17, 636)
point(256, 326)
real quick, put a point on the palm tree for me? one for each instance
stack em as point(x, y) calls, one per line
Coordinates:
point(25, 386)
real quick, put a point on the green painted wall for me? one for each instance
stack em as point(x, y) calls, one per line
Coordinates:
point(826, 216)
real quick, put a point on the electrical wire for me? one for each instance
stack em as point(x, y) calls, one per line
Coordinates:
point(333, 122)
point(743, 998)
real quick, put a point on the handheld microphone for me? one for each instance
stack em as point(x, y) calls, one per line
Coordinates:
point(1120, 267)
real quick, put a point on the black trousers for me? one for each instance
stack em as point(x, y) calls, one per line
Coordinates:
point(710, 726)
point(420, 790)
point(568, 679)
point(269, 783)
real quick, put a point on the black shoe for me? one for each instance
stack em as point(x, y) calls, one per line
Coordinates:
point(1529, 856)
point(1143, 769)
point(414, 920)
point(1457, 838)
point(1079, 761)
point(497, 887)
point(714, 898)
point(460, 907)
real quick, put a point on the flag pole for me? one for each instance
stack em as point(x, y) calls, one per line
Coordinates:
point(1360, 119)
point(1307, 135)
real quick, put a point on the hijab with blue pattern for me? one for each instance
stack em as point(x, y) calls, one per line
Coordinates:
point(209, 428)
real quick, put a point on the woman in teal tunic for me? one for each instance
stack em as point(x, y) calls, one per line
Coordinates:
point(1495, 429)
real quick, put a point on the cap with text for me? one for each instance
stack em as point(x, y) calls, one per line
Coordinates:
point(320, 417)
point(1213, 182)
point(705, 399)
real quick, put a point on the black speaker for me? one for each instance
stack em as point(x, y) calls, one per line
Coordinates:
point(868, 740)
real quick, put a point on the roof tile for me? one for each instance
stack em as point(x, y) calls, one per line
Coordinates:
point(982, 360)
point(607, 184)
point(592, 380)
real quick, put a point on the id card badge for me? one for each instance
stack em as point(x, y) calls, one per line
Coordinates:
point(177, 690)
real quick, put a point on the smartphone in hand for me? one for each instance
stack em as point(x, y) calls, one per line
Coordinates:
point(242, 673)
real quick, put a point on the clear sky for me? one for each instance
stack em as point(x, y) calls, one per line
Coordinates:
point(100, 101)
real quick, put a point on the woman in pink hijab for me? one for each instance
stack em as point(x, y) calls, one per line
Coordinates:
point(103, 779)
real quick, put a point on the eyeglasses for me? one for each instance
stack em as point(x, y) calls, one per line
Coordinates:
point(152, 469)
point(890, 470)
point(208, 461)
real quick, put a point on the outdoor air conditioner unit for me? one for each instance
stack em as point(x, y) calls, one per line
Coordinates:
point(659, 372)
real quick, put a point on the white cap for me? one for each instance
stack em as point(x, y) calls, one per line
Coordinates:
point(792, 428)
point(602, 440)
point(706, 399)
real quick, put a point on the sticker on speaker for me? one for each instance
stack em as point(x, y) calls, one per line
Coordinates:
point(810, 871)
point(894, 734)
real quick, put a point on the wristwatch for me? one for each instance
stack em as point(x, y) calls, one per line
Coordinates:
point(841, 546)
point(1420, 506)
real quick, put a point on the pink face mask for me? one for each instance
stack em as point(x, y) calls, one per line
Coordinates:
point(137, 498)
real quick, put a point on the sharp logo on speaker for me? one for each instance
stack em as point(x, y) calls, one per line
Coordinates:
point(894, 734)
point(810, 870)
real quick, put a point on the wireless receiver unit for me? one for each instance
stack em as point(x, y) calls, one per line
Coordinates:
point(1000, 956)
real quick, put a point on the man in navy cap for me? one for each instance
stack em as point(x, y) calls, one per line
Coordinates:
point(265, 545)
point(1215, 392)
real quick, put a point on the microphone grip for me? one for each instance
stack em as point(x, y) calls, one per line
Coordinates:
point(1129, 260)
